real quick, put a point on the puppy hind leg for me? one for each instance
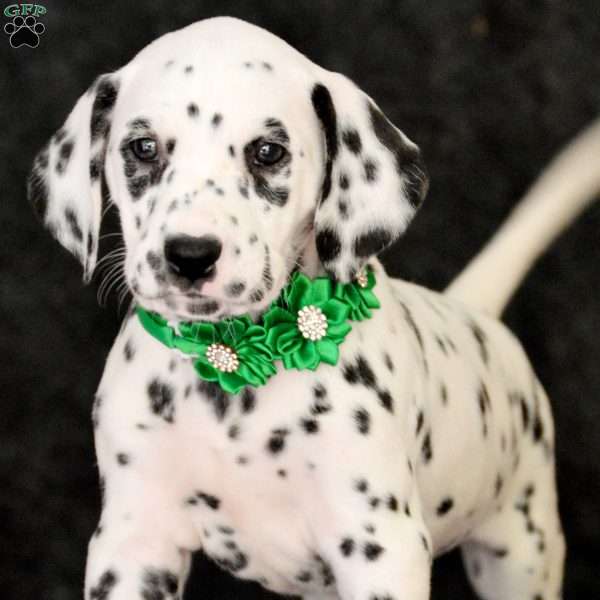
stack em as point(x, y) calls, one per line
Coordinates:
point(518, 554)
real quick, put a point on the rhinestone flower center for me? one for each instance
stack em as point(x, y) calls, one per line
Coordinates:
point(312, 323)
point(362, 279)
point(222, 358)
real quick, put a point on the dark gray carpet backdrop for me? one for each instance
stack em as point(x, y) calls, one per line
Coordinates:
point(490, 90)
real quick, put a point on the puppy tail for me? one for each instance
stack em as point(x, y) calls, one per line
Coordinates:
point(568, 185)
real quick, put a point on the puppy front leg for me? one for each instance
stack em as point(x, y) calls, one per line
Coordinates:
point(392, 564)
point(142, 546)
point(133, 560)
point(370, 531)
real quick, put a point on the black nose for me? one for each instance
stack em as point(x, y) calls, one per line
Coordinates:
point(192, 258)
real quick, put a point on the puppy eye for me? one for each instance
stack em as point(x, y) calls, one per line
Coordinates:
point(146, 149)
point(268, 153)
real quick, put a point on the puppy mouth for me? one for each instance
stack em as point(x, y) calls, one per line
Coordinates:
point(195, 306)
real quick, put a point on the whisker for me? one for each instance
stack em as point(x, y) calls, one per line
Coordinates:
point(113, 254)
point(114, 274)
point(113, 234)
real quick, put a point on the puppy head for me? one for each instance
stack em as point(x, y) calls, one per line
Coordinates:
point(229, 165)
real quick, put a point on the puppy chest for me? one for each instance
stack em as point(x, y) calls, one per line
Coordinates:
point(252, 525)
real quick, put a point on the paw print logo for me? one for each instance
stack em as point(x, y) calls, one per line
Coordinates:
point(24, 31)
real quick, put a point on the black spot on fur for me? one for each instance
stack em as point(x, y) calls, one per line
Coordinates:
point(256, 295)
point(444, 507)
point(426, 449)
point(347, 547)
point(370, 170)
point(344, 181)
point(321, 404)
point(363, 420)
point(329, 245)
point(170, 145)
point(138, 185)
point(310, 425)
point(325, 110)
point(538, 429)
point(64, 155)
point(444, 393)
point(123, 459)
point(524, 412)
point(485, 405)
point(267, 275)
point(188, 70)
point(319, 390)
point(105, 585)
point(214, 394)
point(365, 373)
point(154, 260)
point(420, 422)
point(233, 432)
point(276, 443)
point(325, 571)
point(361, 486)
point(343, 209)
point(372, 242)
point(193, 110)
point(410, 321)
point(392, 503)
point(73, 223)
point(235, 289)
point(498, 485)
point(95, 167)
point(386, 400)
point(237, 562)
point(59, 136)
point(211, 501)
point(351, 139)
point(304, 576)
point(388, 362)
point(161, 396)
point(372, 550)
point(159, 584)
point(248, 400)
point(243, 189)
point(408, 158)
point(106, 96)
point(216, 120)
point(481, 340)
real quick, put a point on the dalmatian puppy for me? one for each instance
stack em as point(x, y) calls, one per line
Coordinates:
point(234, 161)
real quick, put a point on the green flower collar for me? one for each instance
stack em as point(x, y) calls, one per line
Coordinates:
point(303, 327)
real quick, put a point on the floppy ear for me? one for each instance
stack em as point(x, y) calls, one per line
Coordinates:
point(67, 179)
point(374, 180)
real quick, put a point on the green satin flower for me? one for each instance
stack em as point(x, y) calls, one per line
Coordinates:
point(304, 338)
point(359, 296)
point(231, 352)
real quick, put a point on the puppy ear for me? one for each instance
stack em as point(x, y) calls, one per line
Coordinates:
point(66, 184)
point(373, 183)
